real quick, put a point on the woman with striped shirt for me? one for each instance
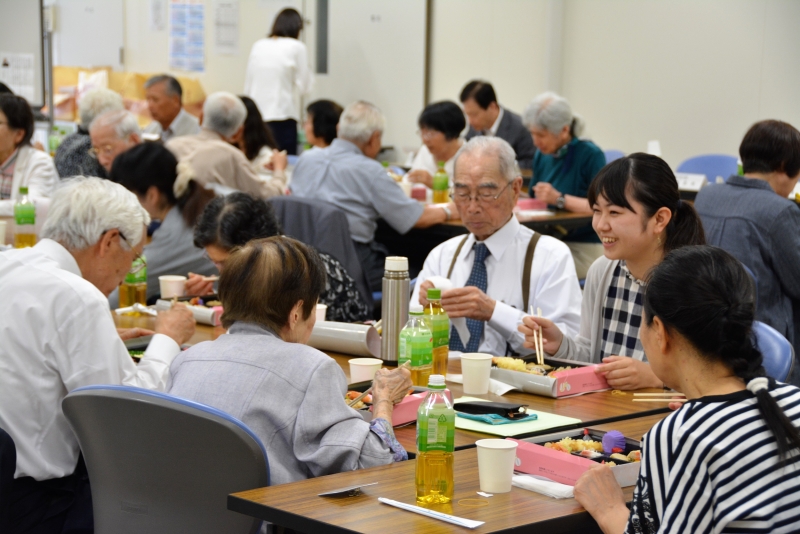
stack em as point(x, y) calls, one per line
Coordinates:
point(728, 460)
point(639, 216)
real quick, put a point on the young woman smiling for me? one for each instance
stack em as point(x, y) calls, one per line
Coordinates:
point(639, 217)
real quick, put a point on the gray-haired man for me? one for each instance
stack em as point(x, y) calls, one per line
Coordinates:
point(164, 99)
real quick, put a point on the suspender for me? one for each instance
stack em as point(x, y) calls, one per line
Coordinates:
point(526, 270)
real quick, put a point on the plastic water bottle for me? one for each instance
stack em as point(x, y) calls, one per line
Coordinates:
point(394, 305)
point(134, 288)
point(436, 423)
point(441, 185)
point(439, 323)
point(25, 220)
point(416, 346)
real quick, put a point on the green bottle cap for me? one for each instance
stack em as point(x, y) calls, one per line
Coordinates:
point(441, 164)
point(23, 190)
point(385, 164)
point(434, 293)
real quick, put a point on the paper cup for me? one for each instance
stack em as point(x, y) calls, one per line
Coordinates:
point(475, 368)
point(407, 187)
point(2, 232)
point(172, 286)
point(496, 464)
point(322, 309)
point(363, 369)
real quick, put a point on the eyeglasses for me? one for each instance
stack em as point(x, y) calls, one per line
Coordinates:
point(107, 150)
point(427, 134)
point(136, 266)
point(482, 197)
point(218, 264)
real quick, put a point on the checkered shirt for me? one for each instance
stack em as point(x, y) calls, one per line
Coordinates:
point(622, 316)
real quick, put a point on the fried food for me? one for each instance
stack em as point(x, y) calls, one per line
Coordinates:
point(515, 364)
point(570, 445)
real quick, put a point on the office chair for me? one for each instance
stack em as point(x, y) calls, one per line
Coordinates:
point(712, 165)
point(8, 465)
point(778, 352)
point(159, 464)
point(612, 155)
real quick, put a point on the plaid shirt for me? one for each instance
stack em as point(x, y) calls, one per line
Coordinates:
point(622, 316)
point(7, 176)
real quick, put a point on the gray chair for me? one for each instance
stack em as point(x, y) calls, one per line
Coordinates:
point(159, 464)
point(324, 227)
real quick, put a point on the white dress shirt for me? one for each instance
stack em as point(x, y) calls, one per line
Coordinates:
point(554, 284)
point(184, 123)
point(493, 130)
point(275, 68)
point(58, 335)
point(424, 161)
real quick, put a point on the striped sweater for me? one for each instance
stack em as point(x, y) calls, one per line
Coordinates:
point(713, 466)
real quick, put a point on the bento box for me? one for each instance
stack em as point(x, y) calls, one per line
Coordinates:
point(404, 412)
point(580, 378)
point(536, 459)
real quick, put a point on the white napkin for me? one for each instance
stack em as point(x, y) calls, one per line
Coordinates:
point(460, 323)
point(543, 485)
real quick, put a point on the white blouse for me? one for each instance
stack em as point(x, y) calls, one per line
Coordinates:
point(275, 68)
point(424, 160)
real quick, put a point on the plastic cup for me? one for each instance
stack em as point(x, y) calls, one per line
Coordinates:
point(2, 232)
point(496, 464)
point(172, 286)
point(475, 368)
point(407, 187)
point(322, 309)
point(364, 369)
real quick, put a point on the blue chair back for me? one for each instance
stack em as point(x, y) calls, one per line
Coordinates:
point(778, 352)
point(159, 464)
point(8, 466)
point(712, 165)
point(612, 155)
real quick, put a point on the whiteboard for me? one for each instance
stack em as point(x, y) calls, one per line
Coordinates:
point(21, 49)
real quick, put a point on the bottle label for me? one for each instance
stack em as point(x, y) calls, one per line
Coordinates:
point(436, 430)
point(24, 214)
point(415, 345)
point(441, 181)
point(138, 277)
point(440, 327)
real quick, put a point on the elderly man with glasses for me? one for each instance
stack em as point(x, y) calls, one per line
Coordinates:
point(113, 133)
point(491, 267)
point(58, 335)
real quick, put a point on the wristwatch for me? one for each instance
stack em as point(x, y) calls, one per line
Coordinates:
point(561, 202)
point(447, 213)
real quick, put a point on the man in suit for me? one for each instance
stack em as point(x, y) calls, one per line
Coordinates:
point(487, 117)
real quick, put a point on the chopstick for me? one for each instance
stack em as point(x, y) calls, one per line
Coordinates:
point(355, 401)
point(541, 340)
point(666, 393)
point(213, 278)
point(538, 343)
point(665, 399)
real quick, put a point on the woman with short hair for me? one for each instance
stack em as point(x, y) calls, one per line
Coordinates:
point(563, 168)
point(151, 172)
point(231, 221)
point(276, 68)
point(21, 165)
point(322, 117)
point(728, 459)
point(440, 126)
point(639, 216)
point(262, 372)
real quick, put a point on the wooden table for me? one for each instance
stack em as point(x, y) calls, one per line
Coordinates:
point(592, 409)
point(298, 507)
point(417, 243)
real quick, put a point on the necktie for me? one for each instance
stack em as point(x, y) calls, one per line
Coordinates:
point(477, 278)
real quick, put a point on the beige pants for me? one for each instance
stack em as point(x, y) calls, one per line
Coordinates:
point(584, 254)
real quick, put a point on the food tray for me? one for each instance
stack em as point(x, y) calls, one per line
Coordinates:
point(536, 459)
point(580, 379)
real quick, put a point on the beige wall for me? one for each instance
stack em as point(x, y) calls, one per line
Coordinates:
point(502, 41)
point(692, 74)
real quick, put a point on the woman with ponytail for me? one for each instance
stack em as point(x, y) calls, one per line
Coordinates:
point(639, 217)
point(169, 194)
point(728, 460)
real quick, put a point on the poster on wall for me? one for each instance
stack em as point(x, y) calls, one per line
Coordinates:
point(16, 71)
point(226, 27)
point(187, 35)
